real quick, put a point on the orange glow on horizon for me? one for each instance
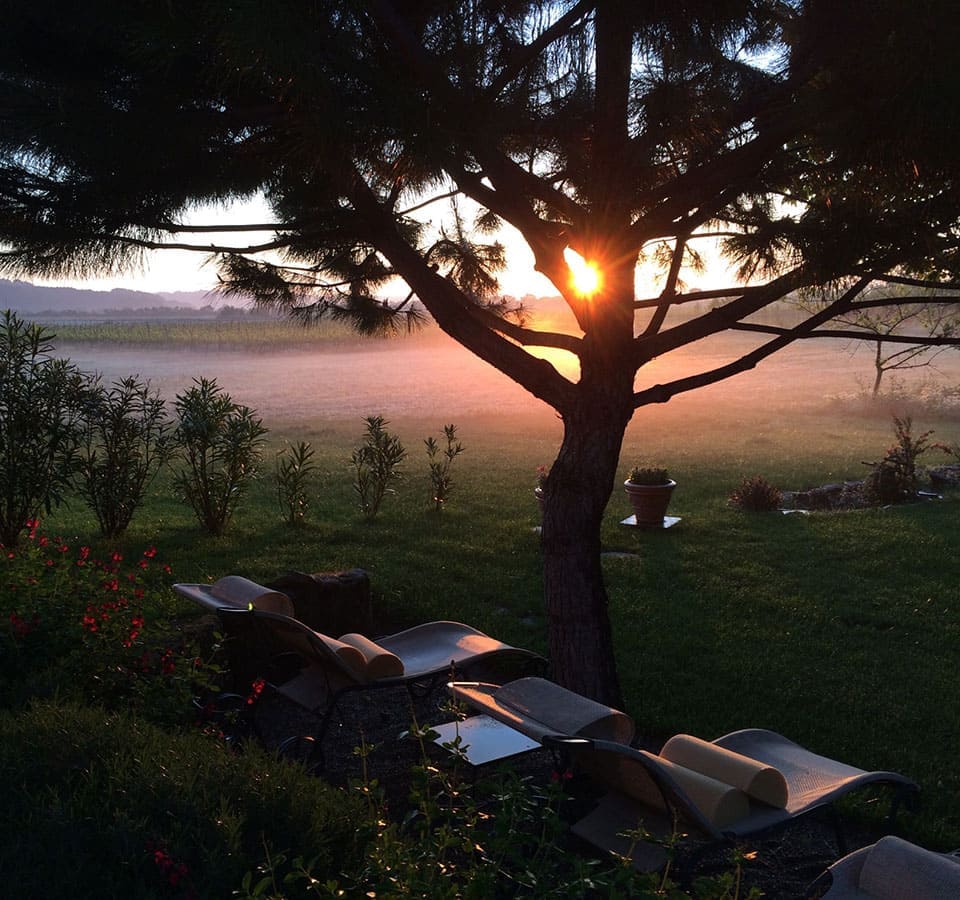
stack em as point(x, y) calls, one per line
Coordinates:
point(584, 275)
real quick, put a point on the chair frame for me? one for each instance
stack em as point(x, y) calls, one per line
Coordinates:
point(325, 679)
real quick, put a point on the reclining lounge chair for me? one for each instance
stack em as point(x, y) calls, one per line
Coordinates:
point(260, 625)
point(890, 869)
point(740, 784)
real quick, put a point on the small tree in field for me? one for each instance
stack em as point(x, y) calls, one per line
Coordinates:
point(222, 445)
point(42, 403)
point(126, 441)
point(907, 330)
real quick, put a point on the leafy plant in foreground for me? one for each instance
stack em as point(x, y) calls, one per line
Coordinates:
point(376, 463)
point(498, 837)
point(41, 423)
point(440, 462)
point(222, 443)
point(126, 441)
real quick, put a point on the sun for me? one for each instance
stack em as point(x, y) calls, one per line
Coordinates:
point(584, 276)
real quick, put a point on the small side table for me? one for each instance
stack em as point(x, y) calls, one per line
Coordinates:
point(485, 740)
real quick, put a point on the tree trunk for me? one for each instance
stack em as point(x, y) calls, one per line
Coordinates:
point(576, 494)
point(878, 367)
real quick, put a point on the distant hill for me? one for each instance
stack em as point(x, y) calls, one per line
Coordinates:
point(33, 299)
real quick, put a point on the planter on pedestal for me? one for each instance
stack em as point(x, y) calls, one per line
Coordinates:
point(649, 501)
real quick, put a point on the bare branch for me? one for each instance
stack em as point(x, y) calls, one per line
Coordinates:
point(851, 334)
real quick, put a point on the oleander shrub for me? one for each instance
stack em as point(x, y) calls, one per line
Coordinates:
point(756, 494)
point(441, 459)
point(376, 463)
point(126, 441)
point(295, 470)
point(222, 445)
point(105, 804)
point(42, 403)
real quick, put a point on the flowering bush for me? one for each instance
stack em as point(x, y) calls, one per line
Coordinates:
point(90, 626)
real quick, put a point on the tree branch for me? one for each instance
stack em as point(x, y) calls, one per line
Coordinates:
point(524, 55)
point(866, 336)
point(455, 313)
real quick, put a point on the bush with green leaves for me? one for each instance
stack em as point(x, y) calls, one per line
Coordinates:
point(126, 441)
point(222, 443)
point(377, 464)
point(130, 810)
point(441, 459)
point(41, 425)
point(295, 470)
point(756, 495)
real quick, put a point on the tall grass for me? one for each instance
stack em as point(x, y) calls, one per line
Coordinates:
point(217, 333)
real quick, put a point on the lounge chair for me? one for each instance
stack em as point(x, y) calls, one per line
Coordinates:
point(890, 869)
point(740, 784)
point(329, 668)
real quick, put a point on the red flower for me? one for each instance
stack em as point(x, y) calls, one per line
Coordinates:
point(150, 552)
point(84, 552)
point(256, 689)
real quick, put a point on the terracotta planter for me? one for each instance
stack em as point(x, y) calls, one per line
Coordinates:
point(649, 501)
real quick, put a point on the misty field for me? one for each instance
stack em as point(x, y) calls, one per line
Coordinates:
point(839, 630)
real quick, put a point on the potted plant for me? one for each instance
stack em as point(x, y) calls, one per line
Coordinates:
point(649, 489)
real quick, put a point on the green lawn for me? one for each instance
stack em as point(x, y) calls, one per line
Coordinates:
point(839, 630)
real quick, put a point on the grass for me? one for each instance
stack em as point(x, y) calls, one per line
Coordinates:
point(839, 630)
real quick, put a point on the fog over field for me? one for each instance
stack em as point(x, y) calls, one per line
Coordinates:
point(431, 377)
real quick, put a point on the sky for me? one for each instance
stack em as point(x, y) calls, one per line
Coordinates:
point(169, 271)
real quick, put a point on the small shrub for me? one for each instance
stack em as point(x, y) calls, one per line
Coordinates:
point(222, 443)
point(756, 495)
point(440, 462)
point(41, 424)
point(894, 478)
point(126, 441)
point(294, 472)
point(376, 463)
